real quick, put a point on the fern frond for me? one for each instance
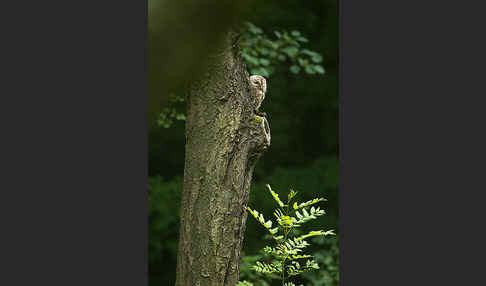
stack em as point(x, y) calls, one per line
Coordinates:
point(291, 247)
point(274, 251)
point(295, 268)
point(316, 233)
point(259, 217)
point(267, 268)
point(305, 216)
point(308, 203)
point(299, 256)
point(288, 249)
point(291, 195)
point(278, 213)
point(275, 196)
point(285, 221)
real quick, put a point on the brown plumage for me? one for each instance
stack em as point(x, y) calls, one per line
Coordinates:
point(258, 88)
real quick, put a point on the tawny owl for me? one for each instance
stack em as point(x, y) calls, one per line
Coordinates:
point(258, 88)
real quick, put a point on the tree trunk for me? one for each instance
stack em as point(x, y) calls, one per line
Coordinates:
point(224, 140)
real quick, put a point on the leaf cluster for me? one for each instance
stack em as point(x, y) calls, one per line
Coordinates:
point(328, 258)
point(288, 247)
point(163, 219)
point(263, 53)
point(251, 277)
point(171, 112)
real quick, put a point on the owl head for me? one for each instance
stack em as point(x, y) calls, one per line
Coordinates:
point(258, 82)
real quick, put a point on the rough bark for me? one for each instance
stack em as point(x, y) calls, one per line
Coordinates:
point(224, 140)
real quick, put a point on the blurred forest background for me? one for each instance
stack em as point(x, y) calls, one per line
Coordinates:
point(303, 113)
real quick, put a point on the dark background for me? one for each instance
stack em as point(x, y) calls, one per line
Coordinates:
point(303, 112)
point(74, 151)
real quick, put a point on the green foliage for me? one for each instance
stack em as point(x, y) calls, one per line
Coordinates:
point(163, 227)
point(248, 275)
point(326, 254)
point(328, 257)
point(164, 199)
point(304, 117)
point(320, 177)
point(251, 277)
point(171, 112)
point(262, 53)
point(287, 251)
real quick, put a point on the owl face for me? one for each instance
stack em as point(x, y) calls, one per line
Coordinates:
point(258, 82)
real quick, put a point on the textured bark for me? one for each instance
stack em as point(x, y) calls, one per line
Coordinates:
point(224, 140)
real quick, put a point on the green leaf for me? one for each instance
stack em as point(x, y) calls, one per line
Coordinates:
point(286, 36)
point(277, 33)
point(319, 69)
point(302, 39)
point(291, 195)
point(305, 212)
point(254, 70)
point(250, 60)
point(261, 71)
point(299, 216)
point(308, 52)
point(264, 62)
point(264, 51)
point(290, 51)
point(273, 45)
point(303, 62)
point(317, 58)
point(310, 70)
point(308, 203)
point(180, 116)
point(295, 33)
point(253, 29)
point(295, 69)
point(259, 217)
point(275, 196)
point(267, 42)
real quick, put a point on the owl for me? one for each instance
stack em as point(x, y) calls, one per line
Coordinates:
point(258, 88)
